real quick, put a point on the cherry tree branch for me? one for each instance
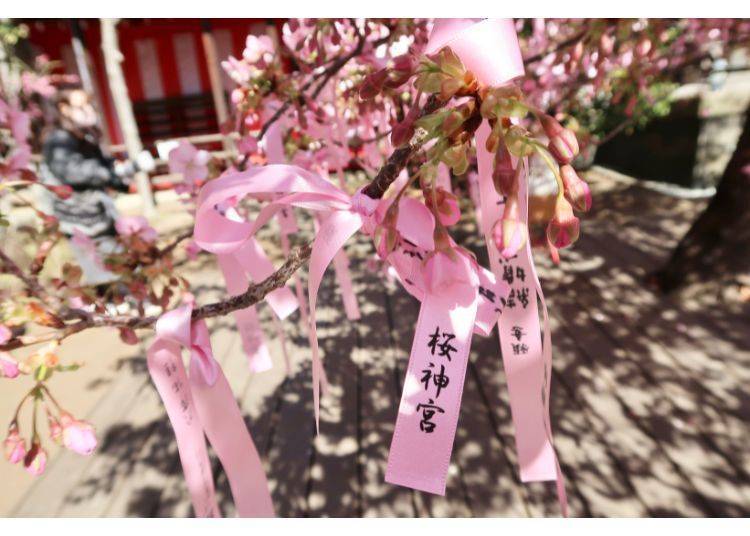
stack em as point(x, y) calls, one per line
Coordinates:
point(30, 282)
point(255, 292)
point(400, 157)
point(324, 76)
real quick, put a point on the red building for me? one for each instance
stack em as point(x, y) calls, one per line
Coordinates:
point(165, 64)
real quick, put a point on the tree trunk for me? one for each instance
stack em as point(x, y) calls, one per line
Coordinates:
point(717, 246)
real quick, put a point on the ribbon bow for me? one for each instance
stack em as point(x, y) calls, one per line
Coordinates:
point(217, 233)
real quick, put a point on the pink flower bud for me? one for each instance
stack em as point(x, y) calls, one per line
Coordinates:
point(551, 126)
point(504, 175)
point(35, 460)
point(563, 146)
point(404, 63)
point(55, 428)
point(509, 236)
point(577, 52)
point(564, 227)
point(643, 47)
point(77, 435)
point(8, 366)
point(14, 446)
point(403, 67)
point(372, 85)
point(606, 44)
point(510, 233)
point(447, 205)
point(577, 192)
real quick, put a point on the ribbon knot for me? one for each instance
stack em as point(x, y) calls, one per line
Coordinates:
point(201, 405)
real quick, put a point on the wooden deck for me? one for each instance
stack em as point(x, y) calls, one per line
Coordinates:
point(651, 410)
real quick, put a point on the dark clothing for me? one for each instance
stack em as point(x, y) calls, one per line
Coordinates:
point(81, 164)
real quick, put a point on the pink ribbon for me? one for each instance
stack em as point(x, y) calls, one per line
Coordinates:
point(428, 413)
point(203, 404)
point(274, 146)
point(342, 217)
point(250, 263)
point(489, 48)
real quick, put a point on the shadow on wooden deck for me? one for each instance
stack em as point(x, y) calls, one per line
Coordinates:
point(649, 406)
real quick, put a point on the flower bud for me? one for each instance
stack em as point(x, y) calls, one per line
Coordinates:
point(372, 85)
point(510, 233)
point(577, 52)
point(403, 68)
point(63, 191)
point(55, 428)
point(643, 47)
point(8, 366)
point(446, 206)
point(577, 192)
point(14, 446)
point(563, 146)
point(564, 227)
point(606, 44)
point(35, 460)
point(509, 236)
point(504, 174)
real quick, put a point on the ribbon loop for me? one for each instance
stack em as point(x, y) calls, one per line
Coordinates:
point(200, 404)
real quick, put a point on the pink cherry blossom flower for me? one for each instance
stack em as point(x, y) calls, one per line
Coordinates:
point(239, 71)
point(77, 436)
point(190, 162)
point(36, 459)
point(33, 83)
point(8, 366)
point(258, 48)
point(14, 445)
point(135, 226)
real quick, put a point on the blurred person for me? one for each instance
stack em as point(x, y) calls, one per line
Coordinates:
point(73, 156)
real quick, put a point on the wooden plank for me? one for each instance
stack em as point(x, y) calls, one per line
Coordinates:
point(291, 453)
point(377, 358)
point(660, 484)
point(645, 399)
point(334, 488)
point(697, 369)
